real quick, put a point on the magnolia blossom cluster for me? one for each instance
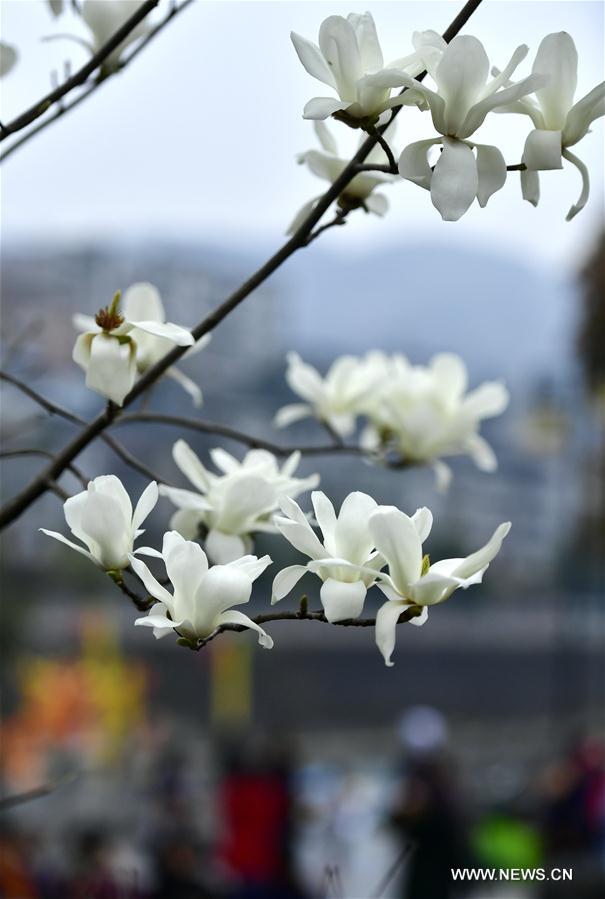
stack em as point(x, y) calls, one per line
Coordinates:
point(362, 546)
point(421, 413)
point(451, 164)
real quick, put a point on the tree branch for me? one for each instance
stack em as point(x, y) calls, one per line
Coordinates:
point(210, 427)
point(37, 486)
point(91, 87)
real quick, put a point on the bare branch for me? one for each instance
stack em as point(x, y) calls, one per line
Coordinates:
point(55, 409)
point(297, 241)
point(90, 87)
point(34, 451)
point(210, 427)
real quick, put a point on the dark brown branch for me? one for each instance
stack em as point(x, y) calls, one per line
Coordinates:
point(392, 165)
point(62, 109)
point(79, 77)
point(55, 409)
point(37, 486)
point(303, 615)
point(34, 451)
point(210, 427)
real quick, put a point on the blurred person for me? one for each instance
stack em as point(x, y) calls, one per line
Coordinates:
point(256, 806)
point(573, 821)
point(428, 818)
point(93, 875)
point(17, 878)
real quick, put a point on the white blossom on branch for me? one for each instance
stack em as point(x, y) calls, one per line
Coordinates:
point(412, 580)
point(234, 504)
point(463, 99)
point(142, 303)
point(202, 596)
point(559, 123)
point(346, 543)
point(101, 517)
point(349, 60)
point(109, 353)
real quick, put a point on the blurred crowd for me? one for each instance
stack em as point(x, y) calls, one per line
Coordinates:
point(265, 807)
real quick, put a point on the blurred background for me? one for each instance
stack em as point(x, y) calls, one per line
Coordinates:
point(311, 770)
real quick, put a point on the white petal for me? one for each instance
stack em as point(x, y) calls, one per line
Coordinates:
point(491, 171)
point(480, 559)
point(386, 628)
point(112, 367)
point(461, 76)
point(252, 566)
point(301, 537)
point(367, 40)
point(557, 58)
point(145, 505)
point(489, 399)
point(338, 44)
point(443, 475)
point(234, 617)
point(289, 414)
point(304, 379)
point(151, 584)
point(187, 384)
point(222, 586)
point(352, 538)
point(301, 215)
point(450, 377)
point(159, 622)
point(285, 581)
point(166, 330)
point(378, 204)
point(583, 198)
point(421, 619)
point(583, 113)
point(85, 323)
point(481, 453)
point(185, 499)
point(530, 186)
point(62, 539)
point(478, 112)
point(322, 107)
point(103, 523)
point(191, 466)
point(414, 164)
point(142, 301)
point(223, 548)
point(396, 538)
point(432, 588)
point(423, 522)
point(455, 181)
point(542, 150)
point(342, 601)
point(186, 563)
point(312, 59)
point(81, 350)
point(325, 138)
point(325, 516)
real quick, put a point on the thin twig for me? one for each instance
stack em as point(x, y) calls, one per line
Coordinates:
point(211, 427)
point(297, 241)
point(90, 88)
point(392, 871)
point(7, 802)
point(55, 409)
point(79, 77)
point(392, 166)
point(34, 451)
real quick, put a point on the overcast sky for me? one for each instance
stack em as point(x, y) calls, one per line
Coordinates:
point(197, 139)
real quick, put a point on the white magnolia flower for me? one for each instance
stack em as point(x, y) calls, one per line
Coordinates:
point(424, 412)
point(202, 597)
point(234, 504)
point(411, 579)
point(458, 107)
point(104, 18)
point(151, 337)
point(347, 545)
point(559, 123)
point(8, 58)
point(327, 164)
point(101, 517)
point(349, 60)
point(335, 399)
